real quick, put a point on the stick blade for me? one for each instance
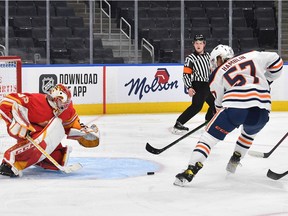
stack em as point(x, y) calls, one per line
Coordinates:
point(152, 150)
point(275, 176)
point(256, 154)
point(72, 168)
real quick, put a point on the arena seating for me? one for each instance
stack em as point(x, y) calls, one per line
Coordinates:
point(254, 27)
point(254, 24)
point(68, 40)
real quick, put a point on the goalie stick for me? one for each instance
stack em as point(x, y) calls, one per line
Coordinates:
point(267, 154)
point(65, 169)
point(275, 176)
point(153, 150)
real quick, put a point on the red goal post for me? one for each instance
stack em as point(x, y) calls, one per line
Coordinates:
point(10, 81)
point(10, 75)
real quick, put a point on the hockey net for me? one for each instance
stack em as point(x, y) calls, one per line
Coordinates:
point(10, 81)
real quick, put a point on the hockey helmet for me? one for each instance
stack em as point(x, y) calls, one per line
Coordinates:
point(59, 97)
point(223, 51)
point(199, 37)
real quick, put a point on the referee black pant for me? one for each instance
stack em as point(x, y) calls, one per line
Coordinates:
point(202, 95)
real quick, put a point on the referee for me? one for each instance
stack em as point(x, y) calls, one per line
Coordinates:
point(196, 73)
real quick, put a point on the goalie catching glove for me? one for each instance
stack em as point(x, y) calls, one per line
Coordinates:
point(20, 124)
point(86, 136)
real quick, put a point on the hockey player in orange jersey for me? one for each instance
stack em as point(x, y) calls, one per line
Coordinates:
point(241, 87)
point(38, 115)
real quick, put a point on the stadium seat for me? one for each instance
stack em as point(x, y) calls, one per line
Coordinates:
point(190, 4)
point(207, 4)
point(243, 32)
point(41, 11)
point(167, 47)
point(239, 22)
point(58, 21)
point(267, 37)
point(39, 36)
point(64, 11)
point(81, 32)
point(220, 32)
point(157, 12)
point(163, 22)
point(74, 42)
point(63, 32)
point(247, 44)
point(29, 11)
point(216, 12)
point(265, 22)
point(211, 43)
point(219, 22)
point(97, 43)
point(75, 21)
point(264, 13)
point(195, 12)
point(10, 30)
point(58, 48)
point(38, 21)
point(79, 55)
point(174, 12)
point(146, 23)
point(200, 22)
point(22, 26)
point(24, 42)
point(13, 42)
point(266, 3)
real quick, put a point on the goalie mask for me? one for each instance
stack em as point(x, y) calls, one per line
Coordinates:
point(59, 98)
point(223, 51)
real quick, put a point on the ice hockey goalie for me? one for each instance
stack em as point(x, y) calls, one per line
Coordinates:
point(47, 118)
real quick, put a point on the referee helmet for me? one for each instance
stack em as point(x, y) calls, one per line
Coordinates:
point(199, 37)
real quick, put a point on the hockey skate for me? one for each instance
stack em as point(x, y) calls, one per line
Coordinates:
point(185, 177)
point(6, 170)
point(179, 128)
point(233, 162)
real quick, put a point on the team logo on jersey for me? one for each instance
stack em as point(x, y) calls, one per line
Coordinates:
point(46, 81)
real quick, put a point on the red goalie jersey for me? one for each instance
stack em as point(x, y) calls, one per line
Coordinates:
point(34, 114)
point(40, 111)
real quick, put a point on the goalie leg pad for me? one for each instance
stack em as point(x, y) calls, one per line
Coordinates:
point(24, 154)
point(60, 154)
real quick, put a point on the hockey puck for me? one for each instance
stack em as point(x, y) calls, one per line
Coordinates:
point(150, 173)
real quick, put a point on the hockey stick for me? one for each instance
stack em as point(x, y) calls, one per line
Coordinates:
point(153, 150)
point(267, 154)
point(65, 169)
point(276, 176)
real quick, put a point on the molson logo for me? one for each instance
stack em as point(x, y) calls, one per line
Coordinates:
point(159, 83)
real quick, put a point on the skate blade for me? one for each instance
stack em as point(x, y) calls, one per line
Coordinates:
point(177, 132)
point(180, 183)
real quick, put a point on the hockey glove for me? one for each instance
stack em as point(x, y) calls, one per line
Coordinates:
point(86, 136)
point(20, 124)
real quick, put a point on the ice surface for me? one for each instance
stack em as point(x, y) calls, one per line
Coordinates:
point(113, 180)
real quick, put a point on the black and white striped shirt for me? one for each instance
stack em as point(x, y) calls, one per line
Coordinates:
point(196, 68)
